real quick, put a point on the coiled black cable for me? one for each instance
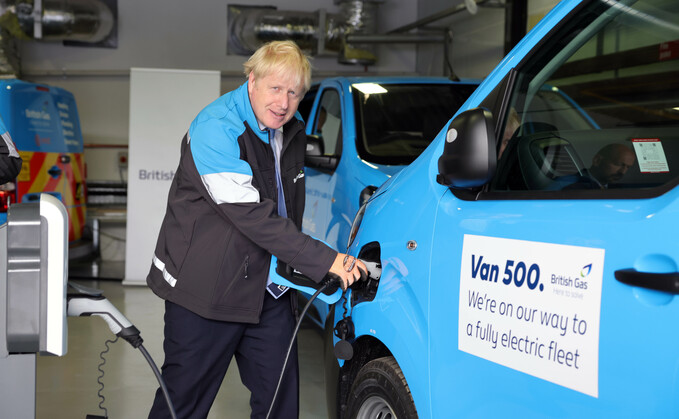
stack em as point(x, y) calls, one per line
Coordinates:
point(137, 344)
point(100, 394)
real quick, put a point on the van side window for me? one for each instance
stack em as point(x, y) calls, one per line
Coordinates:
point(328, 124)
point(593, 114)
point(307, 103)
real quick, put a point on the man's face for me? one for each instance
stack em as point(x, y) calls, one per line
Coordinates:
point(274, 98)
point(612, 168)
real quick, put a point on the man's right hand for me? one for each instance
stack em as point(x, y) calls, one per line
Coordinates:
point(348, 269)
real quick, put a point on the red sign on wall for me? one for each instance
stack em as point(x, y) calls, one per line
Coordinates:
point(668, 51)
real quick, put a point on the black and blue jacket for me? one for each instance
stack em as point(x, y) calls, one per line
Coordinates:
point(221, 225)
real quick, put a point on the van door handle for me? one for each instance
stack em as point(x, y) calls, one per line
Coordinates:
point(666, 282)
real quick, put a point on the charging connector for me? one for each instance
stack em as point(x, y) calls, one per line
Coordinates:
point(90, 302)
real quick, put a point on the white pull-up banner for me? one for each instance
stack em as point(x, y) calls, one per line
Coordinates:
point(162, 105)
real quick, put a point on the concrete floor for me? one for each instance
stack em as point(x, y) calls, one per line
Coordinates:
point(67, 386)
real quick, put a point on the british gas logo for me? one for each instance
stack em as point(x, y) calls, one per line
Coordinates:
point(585, 271)
point(575, 283)
point(40, 115)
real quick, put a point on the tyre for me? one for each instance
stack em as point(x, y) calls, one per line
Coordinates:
point(380, 391)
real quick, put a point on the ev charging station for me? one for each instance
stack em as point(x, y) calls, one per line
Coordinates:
point(33, 279)
point(34, 302)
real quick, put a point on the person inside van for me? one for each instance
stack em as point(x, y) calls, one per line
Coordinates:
point(511, 126)
point(609, 165)
point(10, 161)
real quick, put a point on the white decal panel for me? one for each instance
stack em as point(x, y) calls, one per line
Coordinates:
point(533, 307)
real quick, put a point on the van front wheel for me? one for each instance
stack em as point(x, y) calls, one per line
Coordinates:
point(380, 391)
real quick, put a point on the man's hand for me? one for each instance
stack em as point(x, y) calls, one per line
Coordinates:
point(348, 269)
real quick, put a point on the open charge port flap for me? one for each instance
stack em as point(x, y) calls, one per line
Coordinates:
point(364, 291)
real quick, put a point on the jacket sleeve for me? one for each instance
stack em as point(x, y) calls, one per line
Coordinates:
point(228, 182)
point(10, 162)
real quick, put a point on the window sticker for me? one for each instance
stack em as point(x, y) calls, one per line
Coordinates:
point(650, 155)
point(533, 307)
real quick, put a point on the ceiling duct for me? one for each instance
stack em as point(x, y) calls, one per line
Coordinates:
point(318, 32)
point(361, 19)
point(89, 21)
point(58, 20)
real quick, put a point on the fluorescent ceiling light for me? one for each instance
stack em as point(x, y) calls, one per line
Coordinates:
point(369, 88)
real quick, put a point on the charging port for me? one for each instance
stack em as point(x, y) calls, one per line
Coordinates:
point(364, 291)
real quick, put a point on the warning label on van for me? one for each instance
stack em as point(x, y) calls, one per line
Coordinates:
point(650, 155)
point(533, 307)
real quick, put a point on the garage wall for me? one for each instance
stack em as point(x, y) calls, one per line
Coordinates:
point(174, 34)
point(184, 34)
point(476, 45)
point(477, 39)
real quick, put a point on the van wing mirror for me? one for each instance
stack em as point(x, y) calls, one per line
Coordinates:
point(314, 145)
point(314, 157)
point(469, 158)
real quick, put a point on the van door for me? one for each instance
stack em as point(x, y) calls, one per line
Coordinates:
point(321, 181)
point(544, 293)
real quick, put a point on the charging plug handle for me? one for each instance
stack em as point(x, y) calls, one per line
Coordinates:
point(88, 305)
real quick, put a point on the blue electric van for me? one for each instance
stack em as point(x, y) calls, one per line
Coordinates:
point(539, 282)
point(362, 130)
point(45, 127)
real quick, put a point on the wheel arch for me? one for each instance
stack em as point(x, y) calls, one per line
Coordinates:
point(366, 349)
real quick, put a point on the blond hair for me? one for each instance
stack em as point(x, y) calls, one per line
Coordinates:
point(280, 56)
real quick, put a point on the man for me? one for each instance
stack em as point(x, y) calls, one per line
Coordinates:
point(10, 162)
point(226, 215)
point(511, 126)
point(609, 165)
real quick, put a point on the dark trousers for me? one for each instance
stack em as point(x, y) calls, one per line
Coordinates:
point(198, 352)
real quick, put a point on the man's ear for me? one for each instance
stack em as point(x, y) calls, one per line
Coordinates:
point(251, 82)
point(596, 160)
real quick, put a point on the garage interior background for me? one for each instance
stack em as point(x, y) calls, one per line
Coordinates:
point(177, 34)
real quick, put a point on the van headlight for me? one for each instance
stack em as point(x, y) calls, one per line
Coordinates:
point(356, 224)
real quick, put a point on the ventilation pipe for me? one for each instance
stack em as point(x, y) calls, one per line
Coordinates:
point(88, 21)
point(9, 56)
point(361, 19)
point(319, 32)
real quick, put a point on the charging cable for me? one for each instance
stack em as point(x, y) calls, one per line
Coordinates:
point(91, 302)
point(327, 283)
